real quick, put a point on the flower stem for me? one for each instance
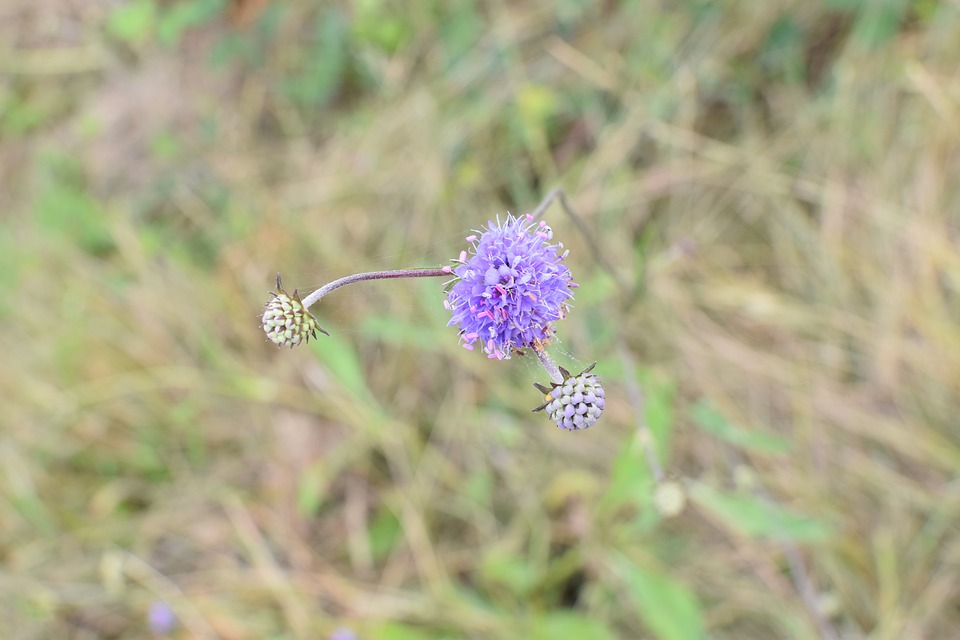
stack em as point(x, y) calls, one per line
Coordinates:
point(373, 275)
point(644, 434)
point(552, 369)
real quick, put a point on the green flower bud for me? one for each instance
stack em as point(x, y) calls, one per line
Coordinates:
point(286, 321)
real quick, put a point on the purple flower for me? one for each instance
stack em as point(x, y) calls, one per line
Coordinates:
point(343, 633)
point(161, 618)
point(513, 286)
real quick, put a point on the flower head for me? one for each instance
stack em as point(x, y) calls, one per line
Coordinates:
point(286, 321)
point(160, 618)
point(577, 402)
point(343, 633)
point(511, 289)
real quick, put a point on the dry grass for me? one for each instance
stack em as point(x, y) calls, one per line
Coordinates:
point(775, 189)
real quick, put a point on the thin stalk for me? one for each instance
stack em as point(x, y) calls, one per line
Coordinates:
point(644, 435)
point(373, 275)
point(552, 369)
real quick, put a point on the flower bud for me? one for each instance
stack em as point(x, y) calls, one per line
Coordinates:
point(286, 321)
point(577, 402)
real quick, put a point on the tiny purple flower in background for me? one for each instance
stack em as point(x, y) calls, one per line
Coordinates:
point(161, 618)
point(343, 633)
point(511, 289)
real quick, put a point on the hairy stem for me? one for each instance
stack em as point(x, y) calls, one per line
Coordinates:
point(552, 369)
point(373, 275)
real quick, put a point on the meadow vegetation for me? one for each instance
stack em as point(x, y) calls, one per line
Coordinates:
point(768, 254)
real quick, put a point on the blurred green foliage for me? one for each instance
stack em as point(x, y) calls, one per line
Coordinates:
point(132, 22)
point(765, 245)
point(178, 17)
point(669, 608)
point(65, 207)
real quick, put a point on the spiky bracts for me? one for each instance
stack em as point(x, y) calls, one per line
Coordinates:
point(577, 402)
point(508, 291)
point(286, 321)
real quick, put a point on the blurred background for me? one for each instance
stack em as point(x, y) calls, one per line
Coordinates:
point(767, 250)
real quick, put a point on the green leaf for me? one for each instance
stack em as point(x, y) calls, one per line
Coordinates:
point(35, 511)
point(565, 624)
point(783, 50)
point(479, 487)
point(668, 608)
point(342, 361)
point(537, 103)
point(320, 78)
point(458, 32)
point(879, 21)
point(535, 108)
point(374, 25)
point(711, 421)
point(754, 517)
point(384, 533)
point(630, 478)
point(311, 489)
point(132, 22)
point(506, 569)
point(249, 46)
point(65, 207)
point(165, 146)
point(400, 631)
point(186, 15)
point(20, 115)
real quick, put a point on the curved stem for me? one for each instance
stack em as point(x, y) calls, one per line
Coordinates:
point(373, 275)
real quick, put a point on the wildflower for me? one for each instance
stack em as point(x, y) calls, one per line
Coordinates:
point(511, 289)
point(669, 499)
point(576, 402)
point(343, 633)
point(160, 618)
point(286, 320)
point(506, 296)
